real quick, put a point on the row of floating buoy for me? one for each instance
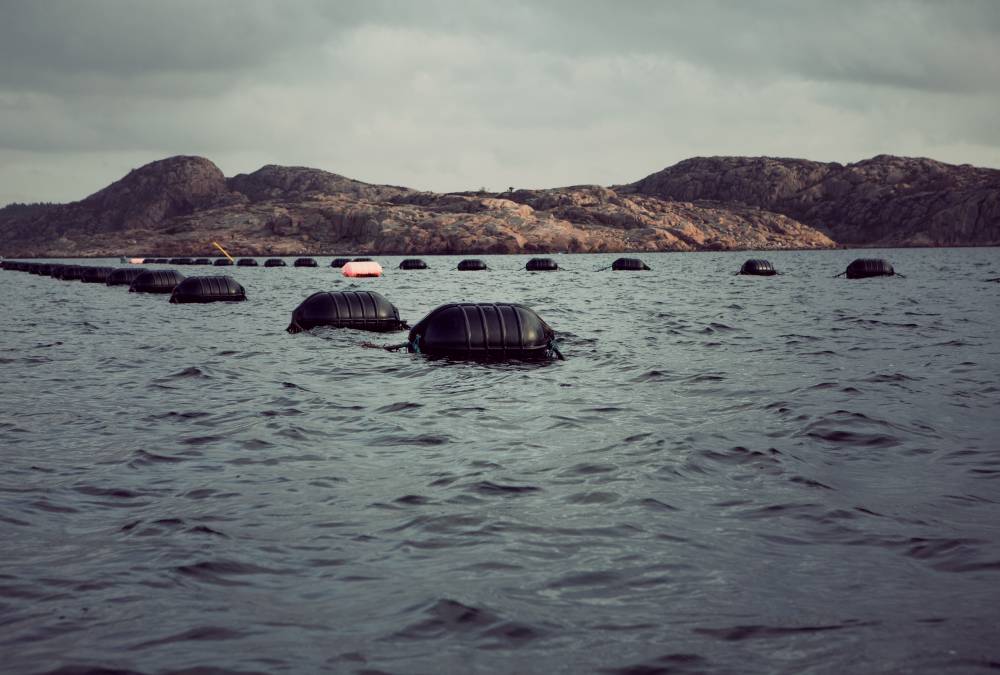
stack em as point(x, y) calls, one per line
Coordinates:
point(181, 289)
point(860, 268)
point(478, 331)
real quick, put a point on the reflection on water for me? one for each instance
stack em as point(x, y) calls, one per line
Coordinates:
point(728, 474)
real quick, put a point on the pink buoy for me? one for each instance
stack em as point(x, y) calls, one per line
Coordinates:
point(362, 269)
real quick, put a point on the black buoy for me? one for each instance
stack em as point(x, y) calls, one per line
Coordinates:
point(222, 262)
point(208, 289)
point(305, 262)
point(156, 281)
point(362, 260)
point(541, 265)
point(45, 269)
point(862, 268)
point(629, 265)
point(201, 261)
point(363, 310)
point(148, 261)
point(483, 331)
point(160, 261)
point(123, 276)
point(472, 265)
point(246, 262)
point(275, 262)
point(758, 267)
point(339, 262)
point(180, 261)
point(70, 272)
point(413, 264)
point(96, 275)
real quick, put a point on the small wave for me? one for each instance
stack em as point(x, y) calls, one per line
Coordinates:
point(757, 632)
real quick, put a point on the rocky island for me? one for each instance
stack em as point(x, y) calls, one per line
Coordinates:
point(179, 205)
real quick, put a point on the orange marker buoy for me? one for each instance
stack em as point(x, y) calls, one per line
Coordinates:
point(362, 269)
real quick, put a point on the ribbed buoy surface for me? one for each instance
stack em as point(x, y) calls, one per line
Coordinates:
point(541, 265)
point(275, 262)
point(156, 281)
point(471, 265)
point(758, 267)
point(123, 276)
point(222, 262)
point(862, 268)
point(339, 262)
point(305, 262)
point(208, 289)
point(246, 262)
point(629, 265)
point(413, 264)
point(363, 310)
point(361, 269)
point(70, 272)
point(96, 275)
point(483, 331)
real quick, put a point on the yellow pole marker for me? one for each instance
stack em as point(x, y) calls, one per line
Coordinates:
point(216, 245)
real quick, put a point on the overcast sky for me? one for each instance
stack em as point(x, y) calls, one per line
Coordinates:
point(459, 95)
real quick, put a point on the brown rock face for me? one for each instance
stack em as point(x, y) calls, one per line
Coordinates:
point(885, 200)
point(179, 205)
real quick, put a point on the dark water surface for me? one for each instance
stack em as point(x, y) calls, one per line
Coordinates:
point(729, 474)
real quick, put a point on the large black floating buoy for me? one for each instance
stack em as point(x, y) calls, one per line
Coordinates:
point(541, 265)
point(483, 331)
point(160, 261)
point(156, 281)
point(202, 261)
point(413, 264)
point(339, 262)
point(208, 289)
point(246, 262)
point(472, 265)
point(222, 262)
point(96, 275)
point(363, 310)
point(862, 268)
point(362, 260)
point(180, 261)
point(758, 267)
point(123, 276)
point(305, 262)
point(629, 265)
point(274, 262)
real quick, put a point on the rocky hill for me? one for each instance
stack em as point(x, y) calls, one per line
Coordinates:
point(885, 200)
point(179, 205)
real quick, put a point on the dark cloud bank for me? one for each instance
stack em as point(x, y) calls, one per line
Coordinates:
point(450, 95)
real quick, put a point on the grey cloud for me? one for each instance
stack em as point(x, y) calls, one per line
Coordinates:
point(443, 95)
